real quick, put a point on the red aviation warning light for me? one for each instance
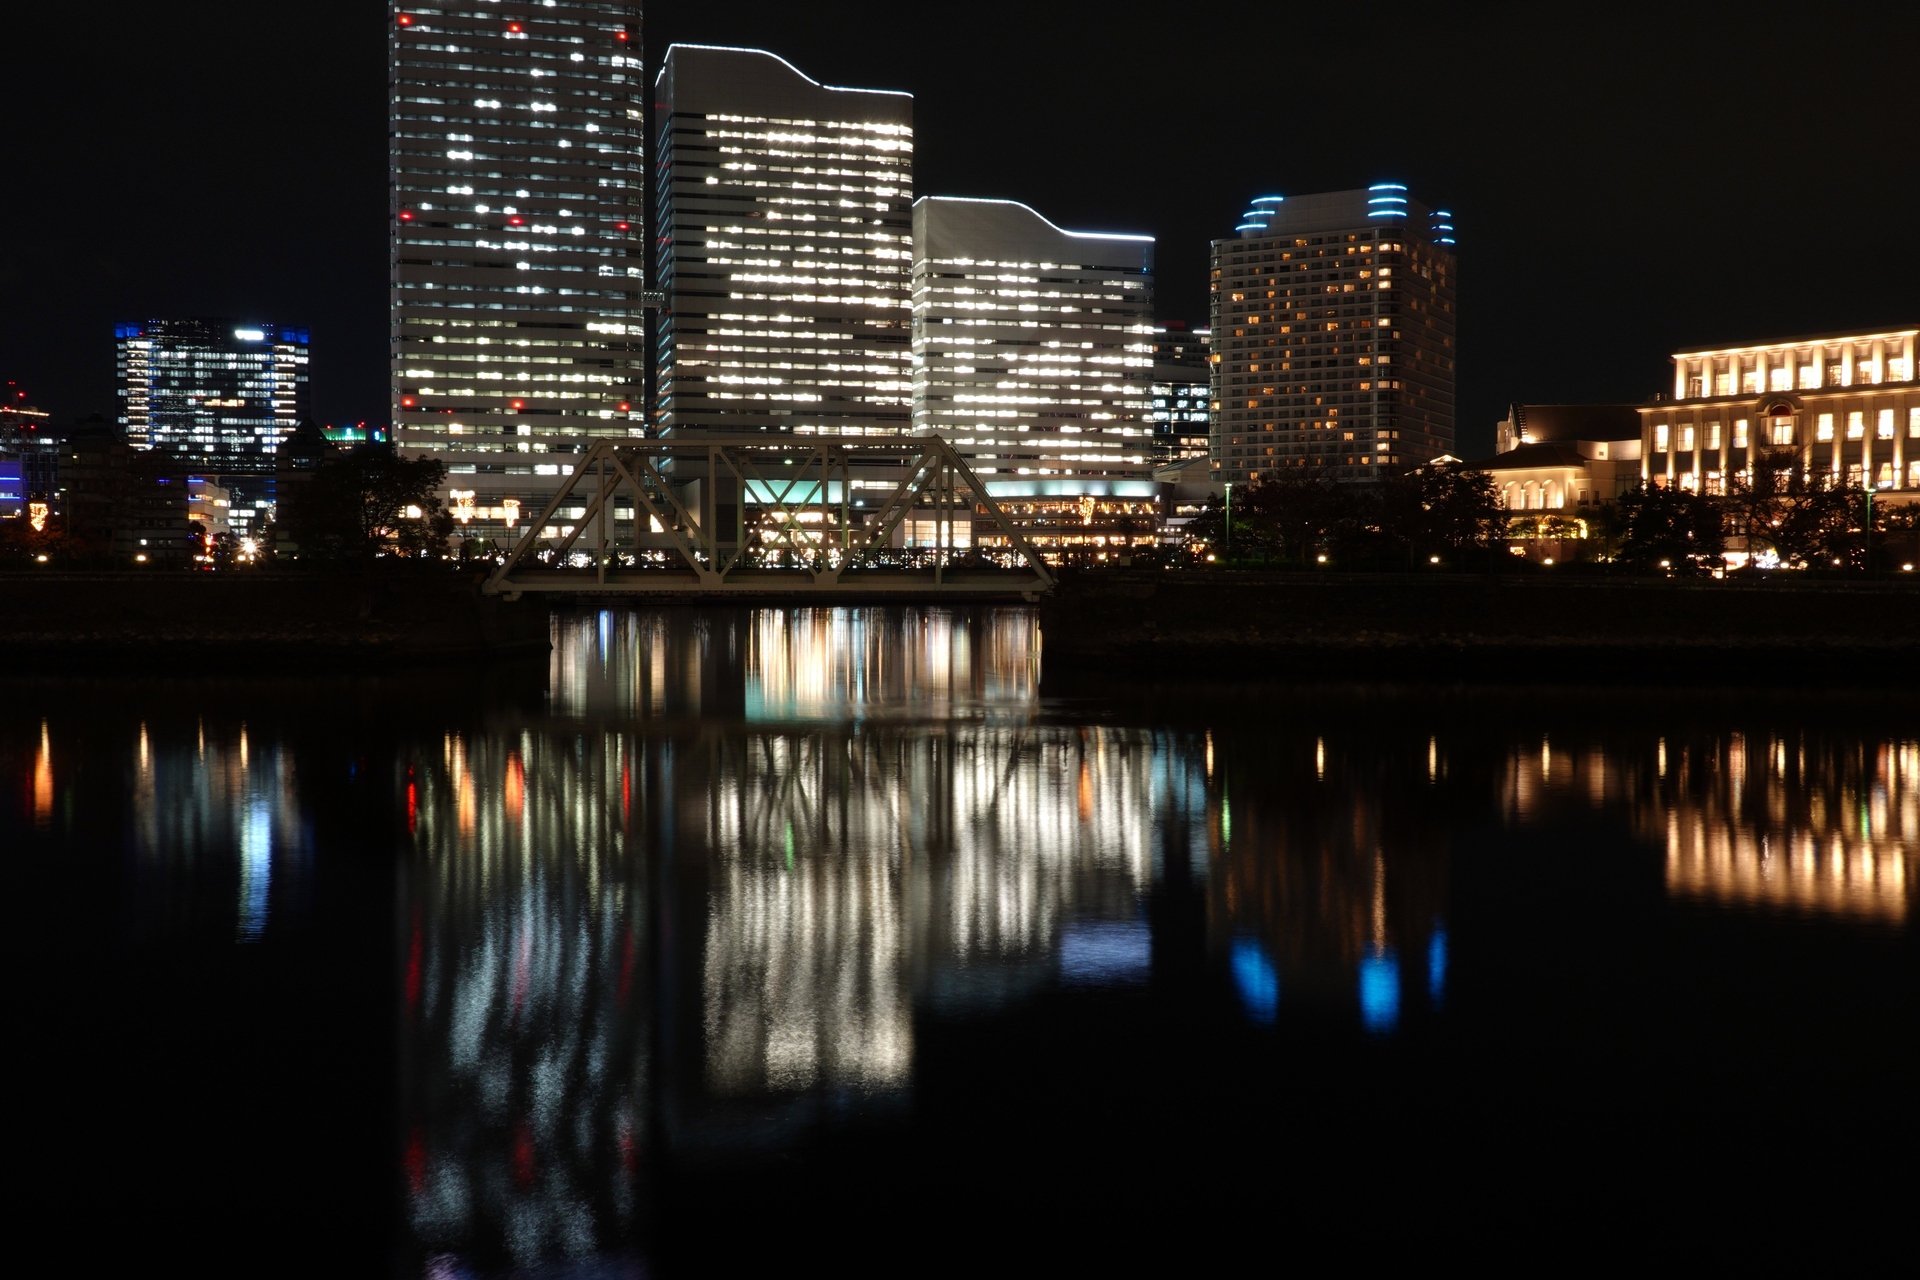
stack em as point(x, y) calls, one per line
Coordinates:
point(406, 402)
point(513, 28)
point(515, 222)
point(406, 215)
point(518, 405)
point(405, 19)
point(619, 35)
point(624, 406)
point(621, 226)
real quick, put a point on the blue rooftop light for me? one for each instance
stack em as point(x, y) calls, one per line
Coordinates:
point(1387, 186)
point(1269, 199)
point(1386, 200)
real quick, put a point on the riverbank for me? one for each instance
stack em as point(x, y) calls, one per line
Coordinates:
point(281, 622)
point(1184, 626)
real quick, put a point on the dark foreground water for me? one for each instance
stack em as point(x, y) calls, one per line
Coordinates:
point(838, 940)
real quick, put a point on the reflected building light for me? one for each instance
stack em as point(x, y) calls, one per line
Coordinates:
point(43, 780)
point(1437, 966)
point(524, 1043)
point(1380, 991)
point(1105, 953)
point(956, 862)
point(1837, 837)
point(1256, 980)
point(230, 807)
point(813, 664)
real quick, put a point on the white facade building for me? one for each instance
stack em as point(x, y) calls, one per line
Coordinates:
point(1033, 352)
point(783, 239)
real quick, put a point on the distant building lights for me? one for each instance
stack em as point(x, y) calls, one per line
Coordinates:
point(250, 335)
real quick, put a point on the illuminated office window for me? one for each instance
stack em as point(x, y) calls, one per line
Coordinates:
point(1884, 425)
point(1856, 425)
point(1823, 427)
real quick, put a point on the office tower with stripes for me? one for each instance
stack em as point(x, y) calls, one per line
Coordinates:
point(1034, 354)
point(517, 244)
point(783, 232)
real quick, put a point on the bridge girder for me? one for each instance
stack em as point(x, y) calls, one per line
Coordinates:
point(671, 542)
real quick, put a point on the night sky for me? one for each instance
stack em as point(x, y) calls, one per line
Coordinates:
point(1622, 186)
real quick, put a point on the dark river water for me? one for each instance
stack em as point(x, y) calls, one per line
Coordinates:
point(857, 940)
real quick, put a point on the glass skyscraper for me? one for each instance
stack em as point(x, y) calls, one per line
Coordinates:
point(217, 396)
point(517, 244)
point(784, 232)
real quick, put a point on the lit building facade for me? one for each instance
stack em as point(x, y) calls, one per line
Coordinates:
point(27, 437)
point(1033, 352)
point(1334, 335)
point(216, 396)
point(1843, 404)
point(1557, 457)
point(1182, 392)
point(517, 246)
point(783, 236)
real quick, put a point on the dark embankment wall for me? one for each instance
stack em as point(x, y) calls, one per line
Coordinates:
point(1204, 626)
point(211, 623)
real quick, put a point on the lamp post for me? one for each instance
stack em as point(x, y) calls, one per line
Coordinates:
point(1229, 546)
point(1867, 526)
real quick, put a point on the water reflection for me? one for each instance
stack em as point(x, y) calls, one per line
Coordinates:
point(525, 1052)
point(744, 874)
point(1827, 824)
point(784, 665)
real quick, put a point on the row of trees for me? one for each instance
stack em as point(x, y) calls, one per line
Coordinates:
point(1783, 513)
point(353, 507)
point(1297, 516)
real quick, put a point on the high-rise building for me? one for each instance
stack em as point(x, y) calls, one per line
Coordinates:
point(1033, 352)
point(1182, 392)
point(517, 245)
point(216, 396)
point(28, 438)
point(1333, 332)
point(783, 231)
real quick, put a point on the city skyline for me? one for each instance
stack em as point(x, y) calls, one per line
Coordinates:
point(1595, 197)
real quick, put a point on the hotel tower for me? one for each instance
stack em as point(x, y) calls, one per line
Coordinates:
point(517, 244)
point(1333, 335)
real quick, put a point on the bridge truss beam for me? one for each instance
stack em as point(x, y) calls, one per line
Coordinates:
point(651, 520)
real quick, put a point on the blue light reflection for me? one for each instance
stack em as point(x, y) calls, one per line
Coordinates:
point(1380, 991)
point(1257, 980)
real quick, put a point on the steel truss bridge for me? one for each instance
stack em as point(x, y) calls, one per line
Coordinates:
point(719, 515)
